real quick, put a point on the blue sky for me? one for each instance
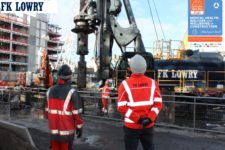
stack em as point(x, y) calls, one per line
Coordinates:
point(172, 13)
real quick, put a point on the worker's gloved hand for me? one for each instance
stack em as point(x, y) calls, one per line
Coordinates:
point(79, 132)
point(144, 121)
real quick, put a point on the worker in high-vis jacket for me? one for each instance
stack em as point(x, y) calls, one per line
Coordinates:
point(139, 101)
point(63, 109)
point(105, 96)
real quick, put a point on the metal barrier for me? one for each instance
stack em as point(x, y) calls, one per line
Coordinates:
point(92, 103)
point(189, 112)
point(4, 110)
point(198, 113)
point(8, 101)
point(15, 103)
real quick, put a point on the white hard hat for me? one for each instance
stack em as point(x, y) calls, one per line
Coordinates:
point(138, 64)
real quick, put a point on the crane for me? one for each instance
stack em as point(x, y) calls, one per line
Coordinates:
point(100, 17)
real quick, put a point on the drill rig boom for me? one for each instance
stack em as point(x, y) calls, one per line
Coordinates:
point(99, 17)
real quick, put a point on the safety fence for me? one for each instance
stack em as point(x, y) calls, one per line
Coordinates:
point(19, 103)
point(186, 112)
point(189, 112)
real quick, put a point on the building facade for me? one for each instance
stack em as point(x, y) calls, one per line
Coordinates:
point(14, 33)
point(54, 44)
point(23, 38)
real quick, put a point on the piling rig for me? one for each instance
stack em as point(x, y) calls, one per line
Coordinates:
point(99, 17)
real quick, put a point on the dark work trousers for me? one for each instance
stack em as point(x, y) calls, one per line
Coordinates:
point(132, 137)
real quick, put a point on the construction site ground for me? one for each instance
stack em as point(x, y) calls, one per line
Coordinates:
point(103, 134)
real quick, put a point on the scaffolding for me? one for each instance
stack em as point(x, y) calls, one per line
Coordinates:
point(169, 50)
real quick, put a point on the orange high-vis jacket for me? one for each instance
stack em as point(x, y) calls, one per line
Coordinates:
point(105, 92)
point(139, 97)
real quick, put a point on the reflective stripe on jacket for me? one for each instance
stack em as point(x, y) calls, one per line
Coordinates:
point(139, 97)
point(63, 108)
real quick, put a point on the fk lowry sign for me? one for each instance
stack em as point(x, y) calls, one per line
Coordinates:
point(178, 74)
point(28, 6)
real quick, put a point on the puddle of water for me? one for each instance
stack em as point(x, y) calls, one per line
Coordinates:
point(92, 139)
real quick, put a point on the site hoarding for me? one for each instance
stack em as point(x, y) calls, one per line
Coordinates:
point(205, 25)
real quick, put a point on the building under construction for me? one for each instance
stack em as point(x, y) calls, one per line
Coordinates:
point(54, 45)
point(22, 39)
point(14, 43)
